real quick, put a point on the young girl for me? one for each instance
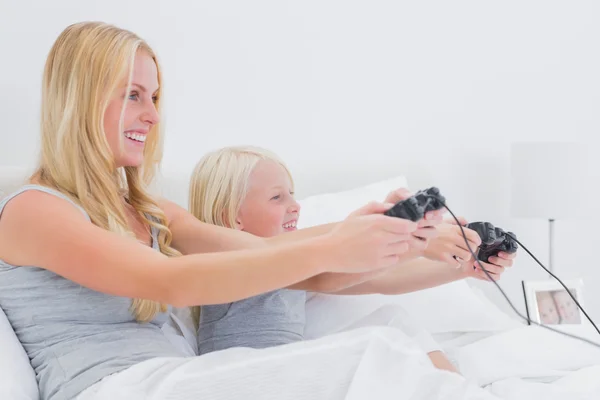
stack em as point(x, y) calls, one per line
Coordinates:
point(250, 189)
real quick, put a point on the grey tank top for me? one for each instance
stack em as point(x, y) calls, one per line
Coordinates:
point(267, 320)
point(74, 336)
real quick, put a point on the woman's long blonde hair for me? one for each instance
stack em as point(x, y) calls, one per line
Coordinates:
point(84, 68)
point(219, 184)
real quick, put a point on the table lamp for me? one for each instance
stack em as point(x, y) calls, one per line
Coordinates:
point(549, 181)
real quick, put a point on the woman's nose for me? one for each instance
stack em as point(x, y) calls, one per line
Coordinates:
point(151, 115)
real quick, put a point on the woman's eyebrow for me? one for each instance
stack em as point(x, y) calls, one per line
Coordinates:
point(141, 87)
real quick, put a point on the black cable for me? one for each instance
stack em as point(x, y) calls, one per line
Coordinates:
point(504, 294)
point(555, 277)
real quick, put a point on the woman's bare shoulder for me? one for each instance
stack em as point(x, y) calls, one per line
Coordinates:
point(32, 213)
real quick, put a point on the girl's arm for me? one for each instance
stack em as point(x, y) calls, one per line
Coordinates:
point(423, 273)
point(441, 265)
point(341, 283)
point(408, 277)
point(447, 258)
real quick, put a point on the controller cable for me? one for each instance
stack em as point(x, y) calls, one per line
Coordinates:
point(529, 321)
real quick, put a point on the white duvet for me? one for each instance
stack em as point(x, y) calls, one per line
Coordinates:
point(372, 363)
point(354, 361)
point(533, 363)
point(365, 363)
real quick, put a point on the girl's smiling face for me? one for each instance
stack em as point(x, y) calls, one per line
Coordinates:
point(269, 207)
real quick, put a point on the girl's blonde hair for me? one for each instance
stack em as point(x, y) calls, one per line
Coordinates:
point(84, 68)
point(219, 184)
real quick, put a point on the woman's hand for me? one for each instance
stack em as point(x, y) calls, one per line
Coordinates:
point(450, 247)
point(426, 227)
point(368, 240)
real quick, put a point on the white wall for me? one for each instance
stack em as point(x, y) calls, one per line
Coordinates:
point(355, 88)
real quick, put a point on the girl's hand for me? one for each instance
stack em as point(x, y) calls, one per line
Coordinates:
point(496, 267)
point(450, 247)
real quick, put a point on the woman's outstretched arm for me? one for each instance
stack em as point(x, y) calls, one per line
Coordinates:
point(42, 230)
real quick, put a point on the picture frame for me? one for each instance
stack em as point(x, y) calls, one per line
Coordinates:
point(548, 303)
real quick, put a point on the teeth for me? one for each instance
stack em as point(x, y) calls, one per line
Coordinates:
point(290, 225)
point(136, 136)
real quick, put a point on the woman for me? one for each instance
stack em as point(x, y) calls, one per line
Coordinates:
point(84, 237)
point(251, 189)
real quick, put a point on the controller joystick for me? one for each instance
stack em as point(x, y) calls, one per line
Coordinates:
point(493, 240)
point(415, 207)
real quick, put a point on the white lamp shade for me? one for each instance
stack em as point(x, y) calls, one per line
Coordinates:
point(549, 180)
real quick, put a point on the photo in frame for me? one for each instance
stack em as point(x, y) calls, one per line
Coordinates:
point(548, 303)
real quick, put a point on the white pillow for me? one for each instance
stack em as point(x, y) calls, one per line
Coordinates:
point(172, 185)
point(332, 207)
point(17, 377)
point(454, 307)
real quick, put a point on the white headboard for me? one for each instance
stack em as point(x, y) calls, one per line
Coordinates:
point(309, 180)
point(173, 186)
point(11, 178)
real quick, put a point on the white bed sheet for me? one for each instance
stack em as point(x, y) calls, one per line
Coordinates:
point(512, 362)
point(516, 363)
point(520, 363)
point(511, 365)
point(528, 362)
point(377, 363)
point(532, 362)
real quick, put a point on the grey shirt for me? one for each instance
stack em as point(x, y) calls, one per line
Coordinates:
point(266, 320)
point(74, 336)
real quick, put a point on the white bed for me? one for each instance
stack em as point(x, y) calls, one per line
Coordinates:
point(492, 349)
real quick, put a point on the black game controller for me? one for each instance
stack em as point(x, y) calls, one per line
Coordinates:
point(493, 240)
point(415, 207)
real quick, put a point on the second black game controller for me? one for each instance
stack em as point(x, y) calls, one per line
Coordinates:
point(493, 240)
point(415, 207)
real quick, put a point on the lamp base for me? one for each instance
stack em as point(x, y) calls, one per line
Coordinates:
point(551, 246)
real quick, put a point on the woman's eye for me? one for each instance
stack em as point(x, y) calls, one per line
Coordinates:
point(134, 96)
point(276, 197)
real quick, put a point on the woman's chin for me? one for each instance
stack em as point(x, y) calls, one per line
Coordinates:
point(132, 160)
